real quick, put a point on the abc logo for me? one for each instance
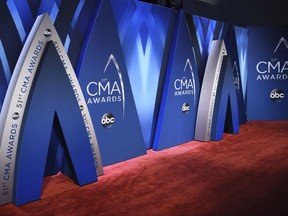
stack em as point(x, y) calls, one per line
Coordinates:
point(107, 120)
point(185, 108)
point(47, 32)
point(277, 95)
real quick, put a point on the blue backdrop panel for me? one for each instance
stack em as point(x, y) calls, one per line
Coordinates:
point(145, 31)
point(176, 120)
point(106, 87)
point(241, 35)
point(267, 89)
point(225, 115)
point(203, 31)
point(232, 51)
point(51, 97)
point(9, 49)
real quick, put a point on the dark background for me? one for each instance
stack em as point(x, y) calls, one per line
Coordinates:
point(240, 12)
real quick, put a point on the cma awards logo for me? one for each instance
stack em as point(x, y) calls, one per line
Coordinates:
point(107, 90)
point(186, 84)
point(273, 69)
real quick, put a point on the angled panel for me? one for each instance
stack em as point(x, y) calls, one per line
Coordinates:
point(51, 94)
point(12, 112)
point(106, 87)
point(177, 115)
point(225, 115)
point(145, 31)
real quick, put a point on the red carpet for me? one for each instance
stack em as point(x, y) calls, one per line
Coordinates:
point(244, 174)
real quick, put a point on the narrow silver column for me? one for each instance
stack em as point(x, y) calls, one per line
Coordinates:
point(208, 90)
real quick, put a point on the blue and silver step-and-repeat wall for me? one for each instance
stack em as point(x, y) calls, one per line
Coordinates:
point(135, 76)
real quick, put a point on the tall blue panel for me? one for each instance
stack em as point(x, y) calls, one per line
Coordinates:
point(51, 97)
point(267, 90)
point(106, 87)
point(144, 31)
point(176, 119)
point(232, 51)
point(72, 20)
point(241, 35)
point(225, 115)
